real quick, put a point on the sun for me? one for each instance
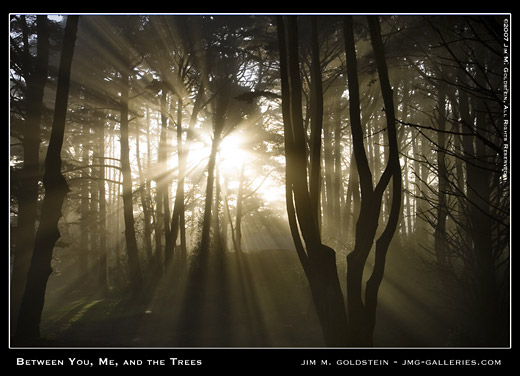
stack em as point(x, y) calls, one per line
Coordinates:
point(237, 162)
point(232, 154)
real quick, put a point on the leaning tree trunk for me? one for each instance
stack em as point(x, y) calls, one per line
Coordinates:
point(219, 119)
point(29, 175)
point(56, 188)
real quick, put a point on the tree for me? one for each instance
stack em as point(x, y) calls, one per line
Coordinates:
point(362, 314)
point(102, 250)
point(136, 279)
point(394, 168)
point(223, 70)
point(56, 189)
point(36, 79)
point(462, 70)
point(318, 260)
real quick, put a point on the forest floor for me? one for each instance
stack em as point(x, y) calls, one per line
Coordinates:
point(262, 300)
point(259, 301)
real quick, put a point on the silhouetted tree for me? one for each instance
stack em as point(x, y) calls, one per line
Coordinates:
point(56, 188)
point(36, 78)
point(136, 279)
point(318, 260)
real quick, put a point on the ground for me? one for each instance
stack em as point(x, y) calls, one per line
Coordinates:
point(259, 300)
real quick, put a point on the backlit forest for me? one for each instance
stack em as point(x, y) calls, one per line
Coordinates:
point(259, 180)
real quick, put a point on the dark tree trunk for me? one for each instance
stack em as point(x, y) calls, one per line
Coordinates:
point(362, 313)
point(217, 227)
point(383, 243)
point(338, 191)
point(84, 209)
point(197, 106)
point(158, 229)
point(240, 204)
point(316, 120)
point(369, 212)
point(136, 281)
point(29, 175)
point(485, 249)
point(353, 202)
point(221, 108)
point(328, 159)
point(478, 194)
point(162, 181)
point(442, 210)
point(178, 207)
point(318, 260)
point(102, 250)
point(56, 188)
point(208, 203)
point(145, 202)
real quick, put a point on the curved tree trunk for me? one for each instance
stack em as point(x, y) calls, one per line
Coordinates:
point(362, 313)
point(383, 243)
point(318, 260)
point(56, 188)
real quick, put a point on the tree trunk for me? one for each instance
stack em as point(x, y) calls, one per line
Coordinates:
point(328, 204)
point(29, 175)
point(158, 228)
point(136, 281)
point(145, 202)
point(318, 260)
point(338, 191)
point(353, 201)
point(240, 203)
point(178, 207)
point(56, 188)
point(442, 210)
point(162, 180)
point(197, 106)
point(362, 314)
point(219, 117)
point(102, 250)
point(84, 209)
point(367, 221)
point(485, 249)
point(478, 194)
point(217, 233)
point(316, 120)
point(383, 243)
point(208, 203)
